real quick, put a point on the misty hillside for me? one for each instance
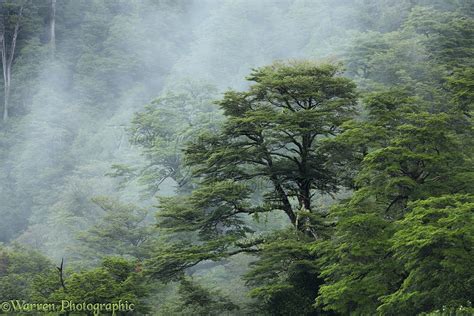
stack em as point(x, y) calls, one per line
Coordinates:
point(237, 157)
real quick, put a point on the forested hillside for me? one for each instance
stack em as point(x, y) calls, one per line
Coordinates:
point(238, 157)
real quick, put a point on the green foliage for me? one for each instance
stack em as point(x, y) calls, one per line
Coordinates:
point(21, 271)
point(285, 279)
point(163, 129)
point(410, 152)
point(461, 84)
point(273, 133)
point(255, 187)
point(194, 299)
point(430, 46)
point(456, 311)
point(448, 36)
point(116, 279)
point(27, 275)
point(122, 230)
point(354, 262)
point(433, 242)
point(406, 155)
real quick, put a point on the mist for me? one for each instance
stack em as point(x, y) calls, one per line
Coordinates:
point(75, 128)
point(106, 97)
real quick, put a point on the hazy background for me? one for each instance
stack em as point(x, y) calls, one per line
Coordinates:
point(71, 110)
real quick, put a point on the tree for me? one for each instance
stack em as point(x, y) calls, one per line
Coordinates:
point(195, 299)
point(15, 18)
point(8, 46)
point(406, 155)
point(272, 135)
point(412, 144)
point(433, 242)
point(21, 269)
point(114, 280)
point(163, 129)
point(122, 230)
point(27, 275)
point(285, 279)
point(461, 84)
point(448, 35)
point(429, 47)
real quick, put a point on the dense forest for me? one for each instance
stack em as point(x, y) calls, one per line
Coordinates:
point(237, 157)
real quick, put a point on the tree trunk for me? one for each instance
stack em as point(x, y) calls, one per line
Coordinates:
point(7, 61)
point(6, 103)
point(52, 28)
point(305, 184)
point(61, 275)
point(5, 77)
